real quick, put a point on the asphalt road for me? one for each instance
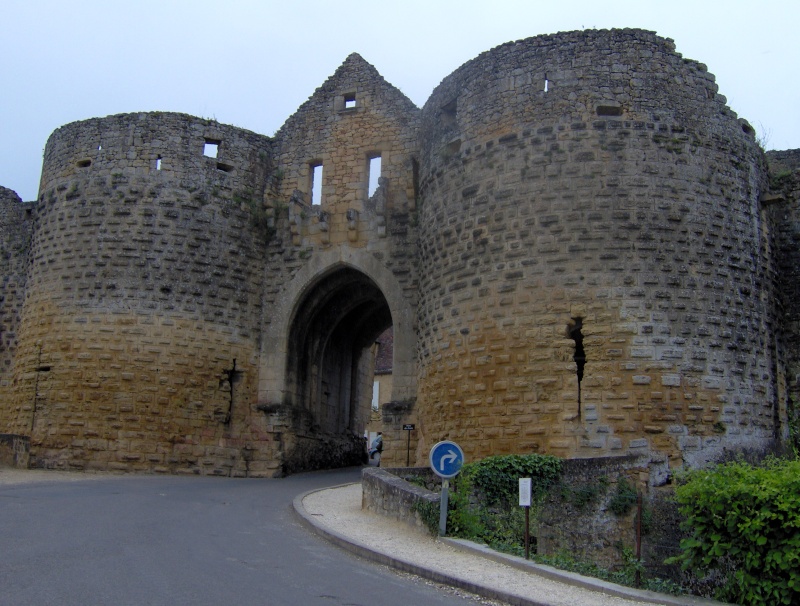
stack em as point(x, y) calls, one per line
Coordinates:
point(184, 540)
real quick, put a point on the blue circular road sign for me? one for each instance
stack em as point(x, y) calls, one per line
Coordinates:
point(446, 459)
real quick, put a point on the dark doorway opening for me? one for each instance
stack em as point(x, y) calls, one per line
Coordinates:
point(331, 353)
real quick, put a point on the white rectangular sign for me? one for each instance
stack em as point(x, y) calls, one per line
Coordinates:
point(524, 492)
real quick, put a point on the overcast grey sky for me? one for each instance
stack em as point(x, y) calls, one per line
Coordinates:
point(252, 63)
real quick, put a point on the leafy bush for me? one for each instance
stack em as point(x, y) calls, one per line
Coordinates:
point(794, 426)
point(581, 495)
point(624, 498)
point(497, 478)
point(744, 521)
point(463, 520)
point(483, 503)
point(429, 514)
point(483, 506)
point(624, 575)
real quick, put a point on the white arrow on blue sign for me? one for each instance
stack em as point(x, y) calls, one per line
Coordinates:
point(446, 459)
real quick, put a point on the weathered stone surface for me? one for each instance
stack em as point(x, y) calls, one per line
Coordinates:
point(641, 224)
point(16, 228)
point(14, 450)
point(575, 240)
point(385, 492)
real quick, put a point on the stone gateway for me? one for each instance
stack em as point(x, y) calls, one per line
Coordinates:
point(579, 247)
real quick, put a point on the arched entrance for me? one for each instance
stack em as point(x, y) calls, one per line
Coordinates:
point(330, 357)
point(316, 375)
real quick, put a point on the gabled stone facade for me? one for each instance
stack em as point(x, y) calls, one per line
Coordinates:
point(575, 242)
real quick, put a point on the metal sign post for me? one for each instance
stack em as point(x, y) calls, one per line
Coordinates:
point(446, 459)
point(409, 427)
point(443, 507)
point(525, 501)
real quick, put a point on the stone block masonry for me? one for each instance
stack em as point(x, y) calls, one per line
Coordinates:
point(578, 246)
point(592, 275)
point(16, 228)
point(142, 296)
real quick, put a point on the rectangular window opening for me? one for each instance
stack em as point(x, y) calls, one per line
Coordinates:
point(374, 173)
point(316, 184)
point(609, 110)
point(448, 114)
point(349, 100)
point(453, 147)
point(376, 398)
point(158, 163)
point(210, 148)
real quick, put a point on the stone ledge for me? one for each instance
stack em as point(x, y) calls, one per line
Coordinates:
point(385, 492)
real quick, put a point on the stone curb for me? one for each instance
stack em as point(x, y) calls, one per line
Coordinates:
point(568, 578)
point(578, 580)
point(368, 553)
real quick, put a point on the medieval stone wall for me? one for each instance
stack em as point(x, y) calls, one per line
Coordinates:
point(591, 190)
point(783, 208)
point(353, 117)
point(16, 227)
point(574, 242)
point(140, 335)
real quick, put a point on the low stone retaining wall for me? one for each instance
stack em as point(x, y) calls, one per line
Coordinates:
point(385, 492)
point(14, 450)
point(576, 514)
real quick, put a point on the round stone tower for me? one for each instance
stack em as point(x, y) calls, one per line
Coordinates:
point(592, 260)
point(139, 339)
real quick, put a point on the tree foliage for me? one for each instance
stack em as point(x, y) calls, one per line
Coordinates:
point(745, 521)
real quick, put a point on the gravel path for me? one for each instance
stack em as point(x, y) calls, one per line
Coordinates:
point(339, 510)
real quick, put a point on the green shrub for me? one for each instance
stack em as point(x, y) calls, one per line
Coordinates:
point(623, 575)
point(745, 521)
point(624, 498)
point(484, 507)
point(497, 478)
point(484, 499)
point(794, 426)
point(580, 495)
point(429, 514)
point(463, 520)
